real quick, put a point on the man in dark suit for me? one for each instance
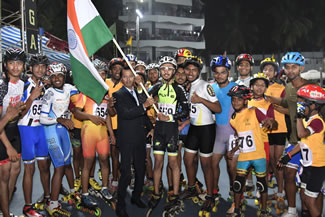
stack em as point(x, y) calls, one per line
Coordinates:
point(131, 139)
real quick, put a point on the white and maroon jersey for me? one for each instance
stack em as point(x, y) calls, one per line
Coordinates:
point(200, 114)
point(10, 93)
point(55, 104)
point(33, 115)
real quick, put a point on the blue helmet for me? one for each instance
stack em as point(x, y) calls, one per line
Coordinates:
point(220, 61)
point(131, 57)
point(293, 57)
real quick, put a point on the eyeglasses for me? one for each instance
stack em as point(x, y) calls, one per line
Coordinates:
point(165, 68)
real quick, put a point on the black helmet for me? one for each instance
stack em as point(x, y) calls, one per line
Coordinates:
point(14, 54)
point(196, 61)
point(38, 59)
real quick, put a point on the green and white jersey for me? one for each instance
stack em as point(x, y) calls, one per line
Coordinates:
point(171, 100)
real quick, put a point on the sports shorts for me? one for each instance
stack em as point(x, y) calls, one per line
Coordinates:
point(165, 138)
point(94, 138)
point(12, 133)
point(312, 179)
point(294, 162)
point(221, 142)
point(59, 145)
point(33, 144)
point(259, 166)
point(277, 138)
point(201, 139)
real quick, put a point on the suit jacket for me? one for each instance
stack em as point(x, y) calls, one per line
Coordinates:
point(131, 119)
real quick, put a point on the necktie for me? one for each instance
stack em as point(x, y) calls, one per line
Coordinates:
point(135, 96)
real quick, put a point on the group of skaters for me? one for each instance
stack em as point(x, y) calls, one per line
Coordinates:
point(261, 124)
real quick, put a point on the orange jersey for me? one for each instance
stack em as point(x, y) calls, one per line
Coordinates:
point(266, 108)
point(113, 88)
point(313, 147)
point(276, 90)
point(249, 132)
point(74, 99)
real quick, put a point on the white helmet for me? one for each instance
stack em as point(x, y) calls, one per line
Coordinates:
point(141, 63)
point(167, 59)
point(152, 66)
point(56, 68)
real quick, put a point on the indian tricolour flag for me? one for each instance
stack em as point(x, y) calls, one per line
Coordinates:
point(87, 33)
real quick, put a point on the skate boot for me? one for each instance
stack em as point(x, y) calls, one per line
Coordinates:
point(42, 202)
point(170, 193)
point(94, 184)
point(31, 211)
point(153, 203)
point(280, 205)
point(271, 182)
point(89, 205)
point(173, 207)
point(64, 191)
point(249, 191)
point(113, 188)
point(182, 181)
point(217, 197)
point(265, 213)
point(236, 213)
point(72, 199)
point(230, 197)
point(191, 193)
point(148, 187)
point(108, 198)
point(208, 206)
point(77, 184)
point(287, 214)
point(58, 211)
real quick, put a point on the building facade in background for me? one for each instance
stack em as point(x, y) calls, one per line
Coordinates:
point(166, 26)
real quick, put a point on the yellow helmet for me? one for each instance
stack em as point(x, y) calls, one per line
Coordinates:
point(257, 76)
point(269, 61)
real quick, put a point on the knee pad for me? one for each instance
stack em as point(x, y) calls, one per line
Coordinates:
point(239, 184)
point(261, 184)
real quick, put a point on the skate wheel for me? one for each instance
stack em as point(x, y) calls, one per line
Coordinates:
point(98, 212)
point(243, 208)
point(256, 202)
point(207, 214)
point(149, 212)
point(200, 203)
point(201, 213)
point(214, 209)
point(195, 200)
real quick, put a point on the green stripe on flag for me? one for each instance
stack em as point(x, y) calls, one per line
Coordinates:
point(86, 82)
point(95, 34)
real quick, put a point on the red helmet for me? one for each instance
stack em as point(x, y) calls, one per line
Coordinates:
point(312, 92)
point(115, 61)
point(183, 53)
point(245, 56)
point(241, 91)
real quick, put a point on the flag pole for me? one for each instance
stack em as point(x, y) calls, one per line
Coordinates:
point(129, 64)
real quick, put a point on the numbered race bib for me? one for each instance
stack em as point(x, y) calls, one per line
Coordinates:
point(36, 110)
point(194, 111)
point(167, 109)
point(100, 110)
point(232, 144)
point(307, 154)
point(246, 142)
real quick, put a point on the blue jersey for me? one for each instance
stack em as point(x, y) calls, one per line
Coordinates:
point(225, 102)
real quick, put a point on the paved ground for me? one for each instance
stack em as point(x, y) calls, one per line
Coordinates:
point(190, 208)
